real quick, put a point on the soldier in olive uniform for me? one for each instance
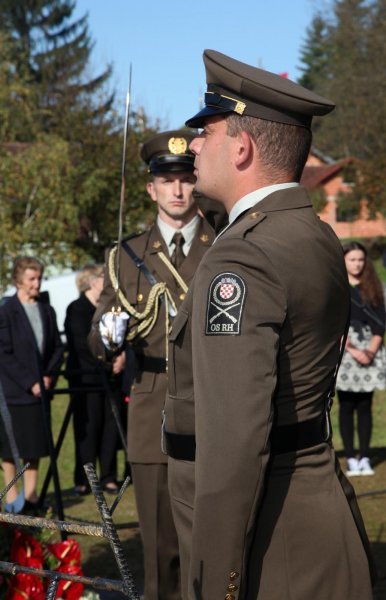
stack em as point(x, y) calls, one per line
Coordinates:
point(151, 294)
point(259, 501)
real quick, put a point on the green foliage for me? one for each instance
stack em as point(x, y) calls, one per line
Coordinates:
point(51, 51)
point(372, 183)
point(347, 207)
point(315, 54)
point(61, 142)
point(38, 214)
point(18, 99)
point(344, 59)
point(318, 199)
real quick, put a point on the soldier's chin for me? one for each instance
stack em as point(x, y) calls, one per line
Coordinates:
point(201, 191)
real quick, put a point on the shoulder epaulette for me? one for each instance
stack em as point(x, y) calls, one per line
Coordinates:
point(134, 235)
point(131, 236)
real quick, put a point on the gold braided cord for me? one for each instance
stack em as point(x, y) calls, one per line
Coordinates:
point(174, 272)
point(148, 317)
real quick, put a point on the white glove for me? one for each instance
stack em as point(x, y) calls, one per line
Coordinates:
point(112, 327)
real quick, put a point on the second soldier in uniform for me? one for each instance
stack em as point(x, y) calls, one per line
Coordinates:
point(170, 250)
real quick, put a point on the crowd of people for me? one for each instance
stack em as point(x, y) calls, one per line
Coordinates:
point(227, 332)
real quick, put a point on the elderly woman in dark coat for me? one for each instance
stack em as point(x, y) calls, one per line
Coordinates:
point(31, 352)
point(95, 429)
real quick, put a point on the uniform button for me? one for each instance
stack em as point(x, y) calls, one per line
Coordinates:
point(232, 587)
point(133, 387)
point(140, 297)
point(182, 296)
point(233, 575)
point(100, 357)
point(229, 597)
point(254, 215)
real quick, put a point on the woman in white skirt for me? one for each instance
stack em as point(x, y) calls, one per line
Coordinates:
point(363, 366)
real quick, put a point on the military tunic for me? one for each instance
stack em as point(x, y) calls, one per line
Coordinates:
point(147, 400)
point(254, 348)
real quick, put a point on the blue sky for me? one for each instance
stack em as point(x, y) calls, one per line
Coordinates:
point(164, 41)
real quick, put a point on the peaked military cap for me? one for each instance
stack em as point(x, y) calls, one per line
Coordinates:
point(169, 151)
point(235, 87)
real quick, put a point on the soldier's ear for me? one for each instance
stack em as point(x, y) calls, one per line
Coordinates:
point(151, 190)
point(243, 149)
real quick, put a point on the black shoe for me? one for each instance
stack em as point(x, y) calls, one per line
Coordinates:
point(32, 508)
point(82, 490)
point(111, 488)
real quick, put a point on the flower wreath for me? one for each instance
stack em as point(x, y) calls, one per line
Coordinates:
point(33, 549)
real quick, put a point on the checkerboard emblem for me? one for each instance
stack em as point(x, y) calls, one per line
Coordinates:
point(226, 297)
point(226, 290)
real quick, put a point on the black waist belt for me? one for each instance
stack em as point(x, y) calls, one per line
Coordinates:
point(152, 364)
point(290, 438)
point(179, 445)
point(287, 438)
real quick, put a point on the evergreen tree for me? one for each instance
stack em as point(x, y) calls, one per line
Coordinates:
point(345, 131)
point(60, 188)
point(354, 78)
point(52, 51)
point(315, 54)
point(18, 110)
point(44, 96)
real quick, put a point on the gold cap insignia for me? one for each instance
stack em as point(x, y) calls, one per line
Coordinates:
point(157, 245)
point(204, 237)
point(177, 145)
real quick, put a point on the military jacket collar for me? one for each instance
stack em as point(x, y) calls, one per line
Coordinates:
point(156, 243)
point(256, 196)
point(289, 198)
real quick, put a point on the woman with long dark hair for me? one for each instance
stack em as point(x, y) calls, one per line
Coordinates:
point(362, 369)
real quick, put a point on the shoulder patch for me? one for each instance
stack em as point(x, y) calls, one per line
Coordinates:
point(225, 304)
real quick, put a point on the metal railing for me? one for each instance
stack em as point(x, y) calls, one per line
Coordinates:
point(107, 530)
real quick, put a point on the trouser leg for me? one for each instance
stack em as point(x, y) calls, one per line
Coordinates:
point(79, 426)
point(159, 538)
point(107, 452)
point(88, 417)
point(181, 486)
point(364, 422)
point(346, 421)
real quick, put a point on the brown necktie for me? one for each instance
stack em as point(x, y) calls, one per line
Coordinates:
point(178, 256)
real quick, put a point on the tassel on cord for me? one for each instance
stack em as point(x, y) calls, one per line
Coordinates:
point(148, 317)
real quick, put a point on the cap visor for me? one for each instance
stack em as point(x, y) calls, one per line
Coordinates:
point(198, 121)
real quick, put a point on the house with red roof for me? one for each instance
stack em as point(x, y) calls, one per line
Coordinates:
point(330, 176)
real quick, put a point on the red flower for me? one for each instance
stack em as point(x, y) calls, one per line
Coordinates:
point(26, 550)
point(69, 590)
point(67, 552)
point(25, 586)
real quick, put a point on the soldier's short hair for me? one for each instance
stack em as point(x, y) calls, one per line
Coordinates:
point(283, 148)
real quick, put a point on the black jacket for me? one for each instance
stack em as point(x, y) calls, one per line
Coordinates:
point(77, 326)
point(20, 358)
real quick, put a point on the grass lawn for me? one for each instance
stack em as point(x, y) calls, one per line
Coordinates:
point(97, 556)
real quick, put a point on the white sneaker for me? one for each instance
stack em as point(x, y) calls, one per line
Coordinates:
point(353, 467)
point(365, 466)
